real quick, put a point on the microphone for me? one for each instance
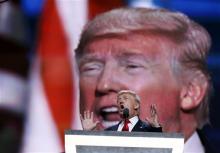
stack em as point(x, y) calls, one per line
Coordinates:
point(125, 113)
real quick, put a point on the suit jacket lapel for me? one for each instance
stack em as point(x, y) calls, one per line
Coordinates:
point(138, 125)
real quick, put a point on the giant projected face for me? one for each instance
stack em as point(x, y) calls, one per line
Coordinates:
point(137, 63)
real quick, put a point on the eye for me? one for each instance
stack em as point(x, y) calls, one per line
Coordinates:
point(125, 98)
point(133, 66)
point(91, 68)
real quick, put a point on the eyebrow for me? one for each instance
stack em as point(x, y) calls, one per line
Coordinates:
point(129, 55)
point(122, 55)
point(89, 58)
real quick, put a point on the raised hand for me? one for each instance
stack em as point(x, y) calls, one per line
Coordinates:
point(87, 121)
point(153, 121)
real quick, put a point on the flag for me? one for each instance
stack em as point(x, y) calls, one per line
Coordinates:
point(99, 6)
point(53, 103)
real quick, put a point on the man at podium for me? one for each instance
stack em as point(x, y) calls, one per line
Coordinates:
point(129, 109)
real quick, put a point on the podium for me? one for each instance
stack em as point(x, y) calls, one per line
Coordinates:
point(78, 141)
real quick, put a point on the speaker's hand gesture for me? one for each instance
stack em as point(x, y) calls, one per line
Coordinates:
point(87, 121)
point(153, 121)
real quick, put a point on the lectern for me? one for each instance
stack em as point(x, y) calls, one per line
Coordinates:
point(77, 141)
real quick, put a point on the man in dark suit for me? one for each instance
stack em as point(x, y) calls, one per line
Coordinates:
point(140, 126)
point(129, 108)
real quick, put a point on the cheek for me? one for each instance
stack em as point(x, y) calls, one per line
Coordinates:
point(87, 94)
point(129, 105)
point(166, 101)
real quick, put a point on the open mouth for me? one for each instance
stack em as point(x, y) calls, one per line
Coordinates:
point(110, 116)
point(122, 106)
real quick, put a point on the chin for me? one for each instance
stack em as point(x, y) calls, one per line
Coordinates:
point(107, 124)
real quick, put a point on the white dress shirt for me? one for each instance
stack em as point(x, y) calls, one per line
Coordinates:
point(131, 125)
point(194, 144)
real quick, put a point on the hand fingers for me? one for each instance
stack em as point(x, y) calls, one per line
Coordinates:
point(96, 122)
point(84, 114)
point(88, 114)
point(151, 106)
point(81, 118)
point(91, 115)
point(153, 110)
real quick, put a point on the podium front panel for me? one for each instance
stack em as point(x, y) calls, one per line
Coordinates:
point(77, 141)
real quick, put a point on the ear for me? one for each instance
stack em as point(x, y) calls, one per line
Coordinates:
point(192, 93)
point(137, 106)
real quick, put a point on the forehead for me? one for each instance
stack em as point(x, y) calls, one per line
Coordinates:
point(126, 95)
point(152, 47)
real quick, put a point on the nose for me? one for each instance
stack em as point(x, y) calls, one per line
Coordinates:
point(109, 81)
point(121, 104)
